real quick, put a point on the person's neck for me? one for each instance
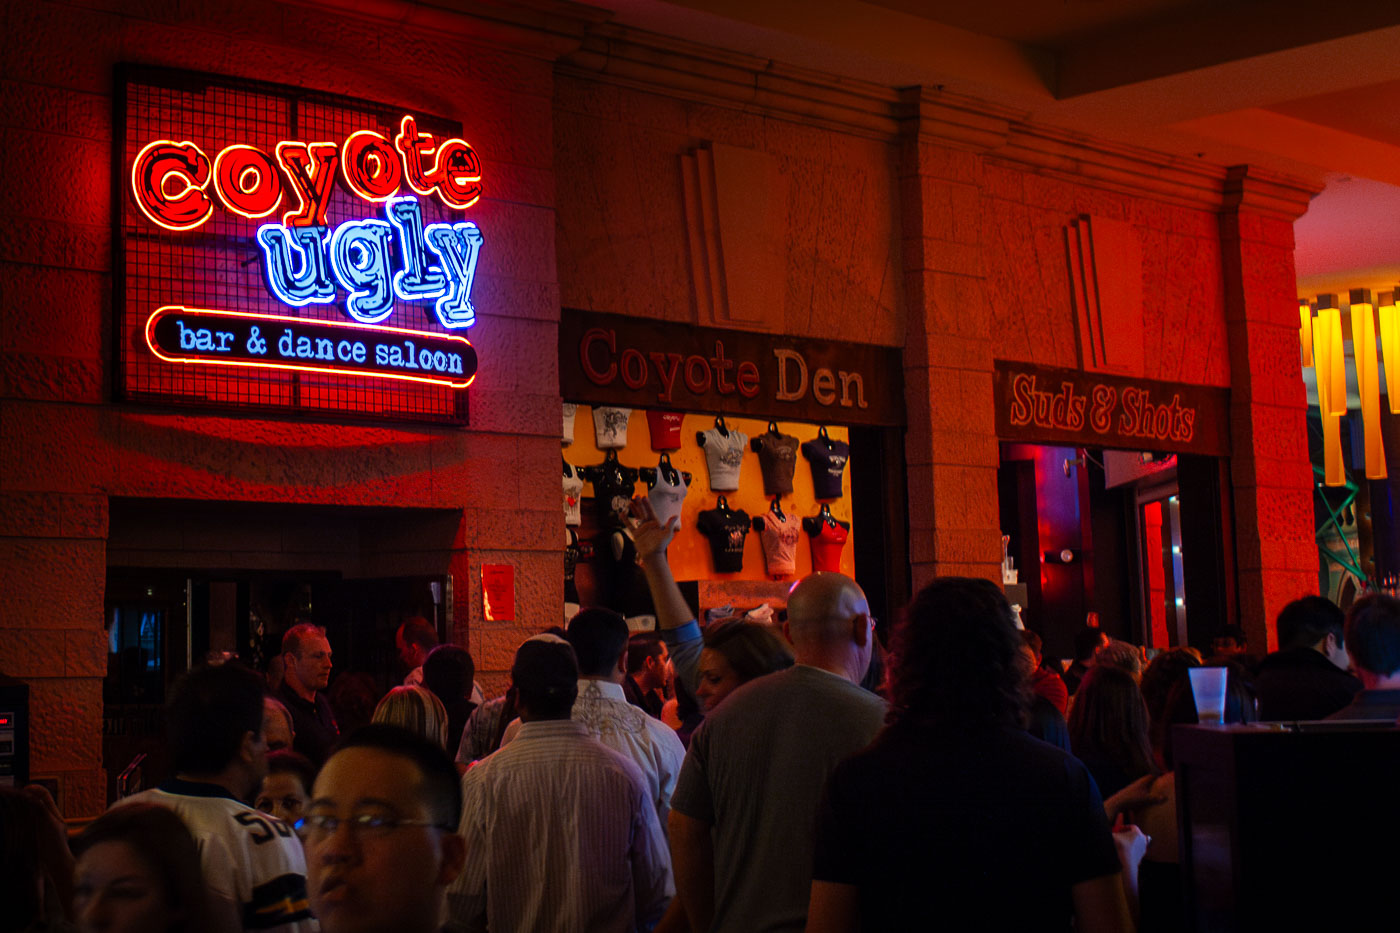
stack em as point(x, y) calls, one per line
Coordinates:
point(230, 779)
point(614, 678)
point(300, 689)
point(836, 661)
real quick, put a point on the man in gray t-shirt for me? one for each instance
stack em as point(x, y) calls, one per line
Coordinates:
point(745, 806)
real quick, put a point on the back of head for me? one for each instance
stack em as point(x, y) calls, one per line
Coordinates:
point(752, 649)
point(418, 631)
point(545, 676)
point(1163, 673)
point(956, 657)
point(416, 709)
point(1086, 641)
point(287, 761)
point(598, 636)
point(1109, 720)
point(820, 608)
point(449, 671)
point(210, 711)
point(440, 789)
point(1304, 622)
point(640, 648)
point(1122, 655)
point(160, 839)
point(1373, 634)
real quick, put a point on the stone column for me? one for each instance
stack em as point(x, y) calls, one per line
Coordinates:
point(951, 445)
point(1275, 550)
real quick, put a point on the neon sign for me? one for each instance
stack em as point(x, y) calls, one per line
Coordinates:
point(269, 341)
point(368, 264)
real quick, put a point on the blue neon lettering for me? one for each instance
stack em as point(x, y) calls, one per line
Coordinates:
point(417, 280)
point(359, 254)
point(300, 281)
point(458, 246)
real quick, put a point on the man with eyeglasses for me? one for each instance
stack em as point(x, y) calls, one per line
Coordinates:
point(561, 831)
point(380, 834)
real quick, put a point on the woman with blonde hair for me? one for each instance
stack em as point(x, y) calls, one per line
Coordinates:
point(416, 709)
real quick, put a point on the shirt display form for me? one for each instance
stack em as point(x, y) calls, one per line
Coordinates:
point(573, 495)
point(666, 488)
point(777, 460)
point(828, 460)
point(665, 427)
point(610, 426)
point(570, 410)
point(613, 486)
point(828, 538)
point(778, 533)
point(726, 530)
point(724, 453)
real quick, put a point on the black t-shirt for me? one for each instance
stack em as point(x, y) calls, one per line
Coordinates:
point(314, 724)
point(962, 830)
point(726, 531)
point(613, 486)
point(777, 461)
point(828, 460)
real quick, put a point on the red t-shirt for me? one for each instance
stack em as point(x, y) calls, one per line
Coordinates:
point(665, 429)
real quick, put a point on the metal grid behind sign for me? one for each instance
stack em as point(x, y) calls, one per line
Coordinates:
point(219, 265)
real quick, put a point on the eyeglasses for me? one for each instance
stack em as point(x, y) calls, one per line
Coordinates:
point(321, 826)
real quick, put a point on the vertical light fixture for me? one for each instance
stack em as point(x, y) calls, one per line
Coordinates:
point(1363, 348)
point(1330, 366)
point(1305, 333)
point(1389, 315)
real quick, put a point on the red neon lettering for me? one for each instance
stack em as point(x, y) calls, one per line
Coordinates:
point(247, 181)
point(311, 169)
point(184, 207)
point(370, 166)
point(413, 146)
point(458, 174)
point(585, 354)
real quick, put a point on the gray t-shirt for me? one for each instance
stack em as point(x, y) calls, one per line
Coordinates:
point(755, 773)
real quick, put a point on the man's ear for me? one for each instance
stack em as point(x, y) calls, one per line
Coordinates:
point(453, 857)
point(860, 629)
point(248, 750)
point(622, 662)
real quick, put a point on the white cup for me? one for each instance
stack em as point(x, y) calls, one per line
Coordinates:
point(1208, 690)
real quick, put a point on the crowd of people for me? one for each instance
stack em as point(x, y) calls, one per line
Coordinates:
point(743, 777)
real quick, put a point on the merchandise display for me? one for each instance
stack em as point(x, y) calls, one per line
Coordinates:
point(572, 552)
point(777, 460)
point(828, 537)
point(570, 410)
point(665, 429)
point(726, 530)
point(778, 532)
point(573, 495)
point(613, 487)
point(724, 454)
point(828, 460)
point(610, 427)
point(666, 488)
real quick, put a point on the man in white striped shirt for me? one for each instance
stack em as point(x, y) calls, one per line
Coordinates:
point(561, 831)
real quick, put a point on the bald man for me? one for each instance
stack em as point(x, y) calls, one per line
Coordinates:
point(744, 809)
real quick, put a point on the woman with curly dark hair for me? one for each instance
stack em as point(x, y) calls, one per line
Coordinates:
point(955, 816)
point(1108, 729)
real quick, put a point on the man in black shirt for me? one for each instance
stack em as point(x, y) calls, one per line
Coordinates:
point(1373, 643)
point(1307, 677)
point(307, 656)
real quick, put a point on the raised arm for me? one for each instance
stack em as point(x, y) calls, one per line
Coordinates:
point(674, 617)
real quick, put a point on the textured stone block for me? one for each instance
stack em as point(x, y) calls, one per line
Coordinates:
point(85, 652)
point(52, 584)
point(65, 731)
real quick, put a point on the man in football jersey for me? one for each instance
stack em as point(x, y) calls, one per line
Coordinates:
point(252, 863)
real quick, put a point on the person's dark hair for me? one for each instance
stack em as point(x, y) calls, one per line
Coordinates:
point(1181, 705)
point(1373, 633)
point(1087, 641)
point(21, 829)
point(299, 636)
point(1045, 723)
point(160, 839)
point(441, 786)
point(752, 649)
point(956, 657)
point(1234, 633)
point(640, 647)
point(419, 631)
point(1304, 622)
point(210, 711)
point(1108, 722)
point(449, 671)
point(598, 636)
point(1033, 640)
point(1122, 655)
point(287, 761)
point(1163, 673)
point(545, 676)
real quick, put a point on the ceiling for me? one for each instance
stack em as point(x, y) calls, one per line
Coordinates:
point(1307, 88)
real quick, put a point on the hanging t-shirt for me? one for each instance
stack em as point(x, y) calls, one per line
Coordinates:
point(613, 485)
point(828, 460)
point(723, 455)
point(570, 409)
point(726, 530)
point(779, 540)
point(627, 592)
point(777, 459)
point(610, 426)
point(826, 546)
point(667, 498)
point(573, 495)
point(571, 556)
point(665, 429)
